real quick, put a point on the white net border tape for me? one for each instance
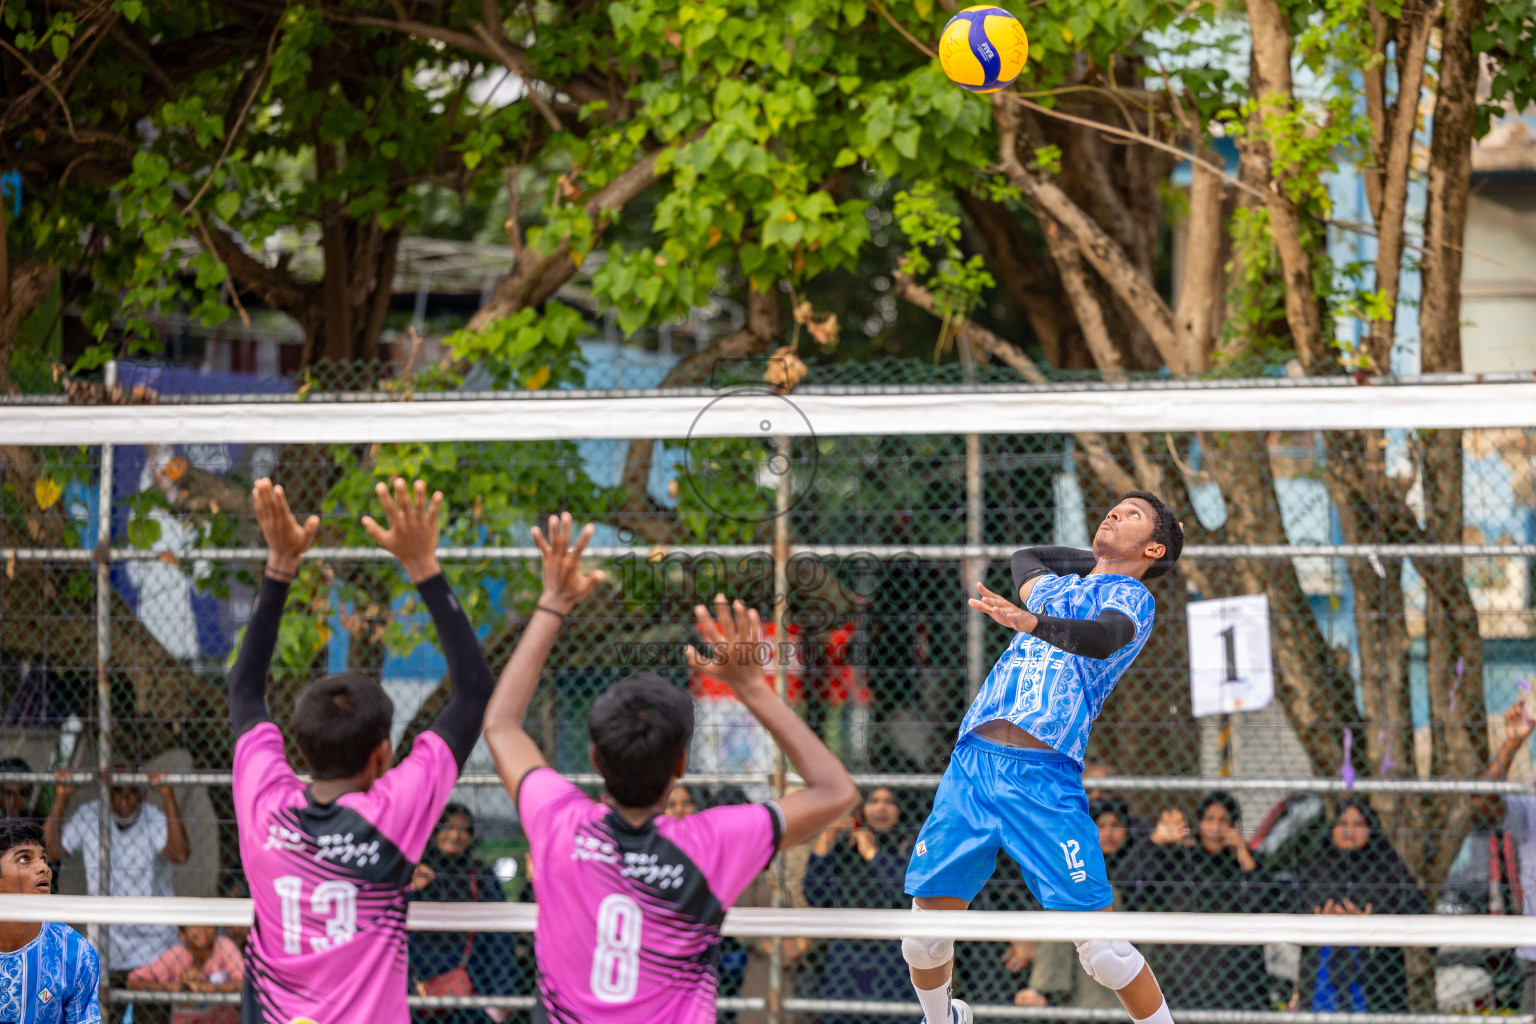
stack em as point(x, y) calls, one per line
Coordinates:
point(1471, 931)
point(653, 415)
point(874, 1008)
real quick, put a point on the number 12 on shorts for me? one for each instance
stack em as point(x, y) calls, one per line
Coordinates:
point(616, 958)
point(1075, 865)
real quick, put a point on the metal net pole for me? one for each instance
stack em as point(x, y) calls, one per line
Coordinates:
point(99, 934)
point(781, 687)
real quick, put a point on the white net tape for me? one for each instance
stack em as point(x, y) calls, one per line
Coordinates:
point(1433, 930)
point(1443, 931)
point(565, 415)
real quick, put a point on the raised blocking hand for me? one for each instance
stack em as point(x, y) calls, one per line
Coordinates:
point(564, 583)
point(412, 533)
point(735, 635)
point(286, 539)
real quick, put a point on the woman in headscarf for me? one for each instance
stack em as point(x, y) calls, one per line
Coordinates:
point(1358, 872)
point(1209, 872)
point(862, 866)
point(440, 962)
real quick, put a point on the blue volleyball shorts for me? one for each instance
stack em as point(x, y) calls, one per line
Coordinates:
point(1026, 801)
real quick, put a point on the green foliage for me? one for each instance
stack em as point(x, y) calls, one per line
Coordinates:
point(531, 350)
point(931, 223)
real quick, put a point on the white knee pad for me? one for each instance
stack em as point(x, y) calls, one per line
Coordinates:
point(925, 954)
point(1112, 964)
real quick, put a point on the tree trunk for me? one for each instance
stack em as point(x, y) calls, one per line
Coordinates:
point(1270, 88)
point(29, 284)
point(1450, 178)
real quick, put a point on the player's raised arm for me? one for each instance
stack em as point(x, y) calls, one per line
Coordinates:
point(1092, 638)
point(565, 585)
point(412, 539)
point(735, 635)
point(1029, 564)
point(287, 541)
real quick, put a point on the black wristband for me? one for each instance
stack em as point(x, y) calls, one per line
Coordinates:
point(278, 574)
point(546, 608)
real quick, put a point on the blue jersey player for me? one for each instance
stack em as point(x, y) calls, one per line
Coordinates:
point(1014, 782)
point(48, 971)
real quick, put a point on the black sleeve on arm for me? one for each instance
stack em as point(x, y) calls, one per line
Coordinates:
point(1031, 562)
point(1091, 638)
point(461, 719)
point(248, 679)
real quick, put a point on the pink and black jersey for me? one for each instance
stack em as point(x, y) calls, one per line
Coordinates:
point(331, 882)
point(630, 916)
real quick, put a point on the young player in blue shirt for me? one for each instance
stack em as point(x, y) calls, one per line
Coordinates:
point(1015, 780)
point(48, 972)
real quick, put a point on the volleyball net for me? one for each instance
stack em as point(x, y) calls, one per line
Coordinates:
point(1159, 935)
point(1354, 614)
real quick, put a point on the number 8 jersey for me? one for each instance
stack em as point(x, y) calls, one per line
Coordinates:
point(330, 882)
point(630, 916)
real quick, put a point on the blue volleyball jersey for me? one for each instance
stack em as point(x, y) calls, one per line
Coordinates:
point(51, 980)
point(1050, 694)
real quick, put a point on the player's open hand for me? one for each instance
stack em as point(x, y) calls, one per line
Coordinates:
point(735, 636)
point(1171, 828)
point(412, 533)
point(564, 582)
point(1518, 722)
point(286, 538)
point(1003, 611)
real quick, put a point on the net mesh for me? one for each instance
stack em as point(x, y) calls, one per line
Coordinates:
point(1387, 666)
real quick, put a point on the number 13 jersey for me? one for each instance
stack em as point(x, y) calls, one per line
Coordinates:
point(331, 882)
point(629, 917)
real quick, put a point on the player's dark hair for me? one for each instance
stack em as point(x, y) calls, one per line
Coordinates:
point(338, 721)
point(1165, 531)
point(639, 727)
point(16, 832)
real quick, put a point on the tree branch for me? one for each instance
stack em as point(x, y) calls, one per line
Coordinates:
point(1270, 87)
point(1394, 187)
point(535, 278)
point(1094, 447)
point(1122, 276)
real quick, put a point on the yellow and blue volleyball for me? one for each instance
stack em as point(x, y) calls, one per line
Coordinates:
point(983, 48)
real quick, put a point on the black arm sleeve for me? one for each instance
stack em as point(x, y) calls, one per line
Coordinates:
point(1091, 638)
point(460, 720)
point(248, 679)
point(1031, 562)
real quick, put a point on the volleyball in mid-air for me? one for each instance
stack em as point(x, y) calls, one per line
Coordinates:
point(983, 48)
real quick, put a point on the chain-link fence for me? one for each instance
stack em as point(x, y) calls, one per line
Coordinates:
point(1396, 566)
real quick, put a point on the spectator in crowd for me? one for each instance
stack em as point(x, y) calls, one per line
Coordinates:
point(202, 962)
point(1056, 977)
point(38, 958)
point(861, 864)
point(681, 802)
point(1211, 872)
point(15, 794)
point(1519, 814)
point(458, 963)
point(1484, 878)
point(145, 843)
point(1358, 872)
